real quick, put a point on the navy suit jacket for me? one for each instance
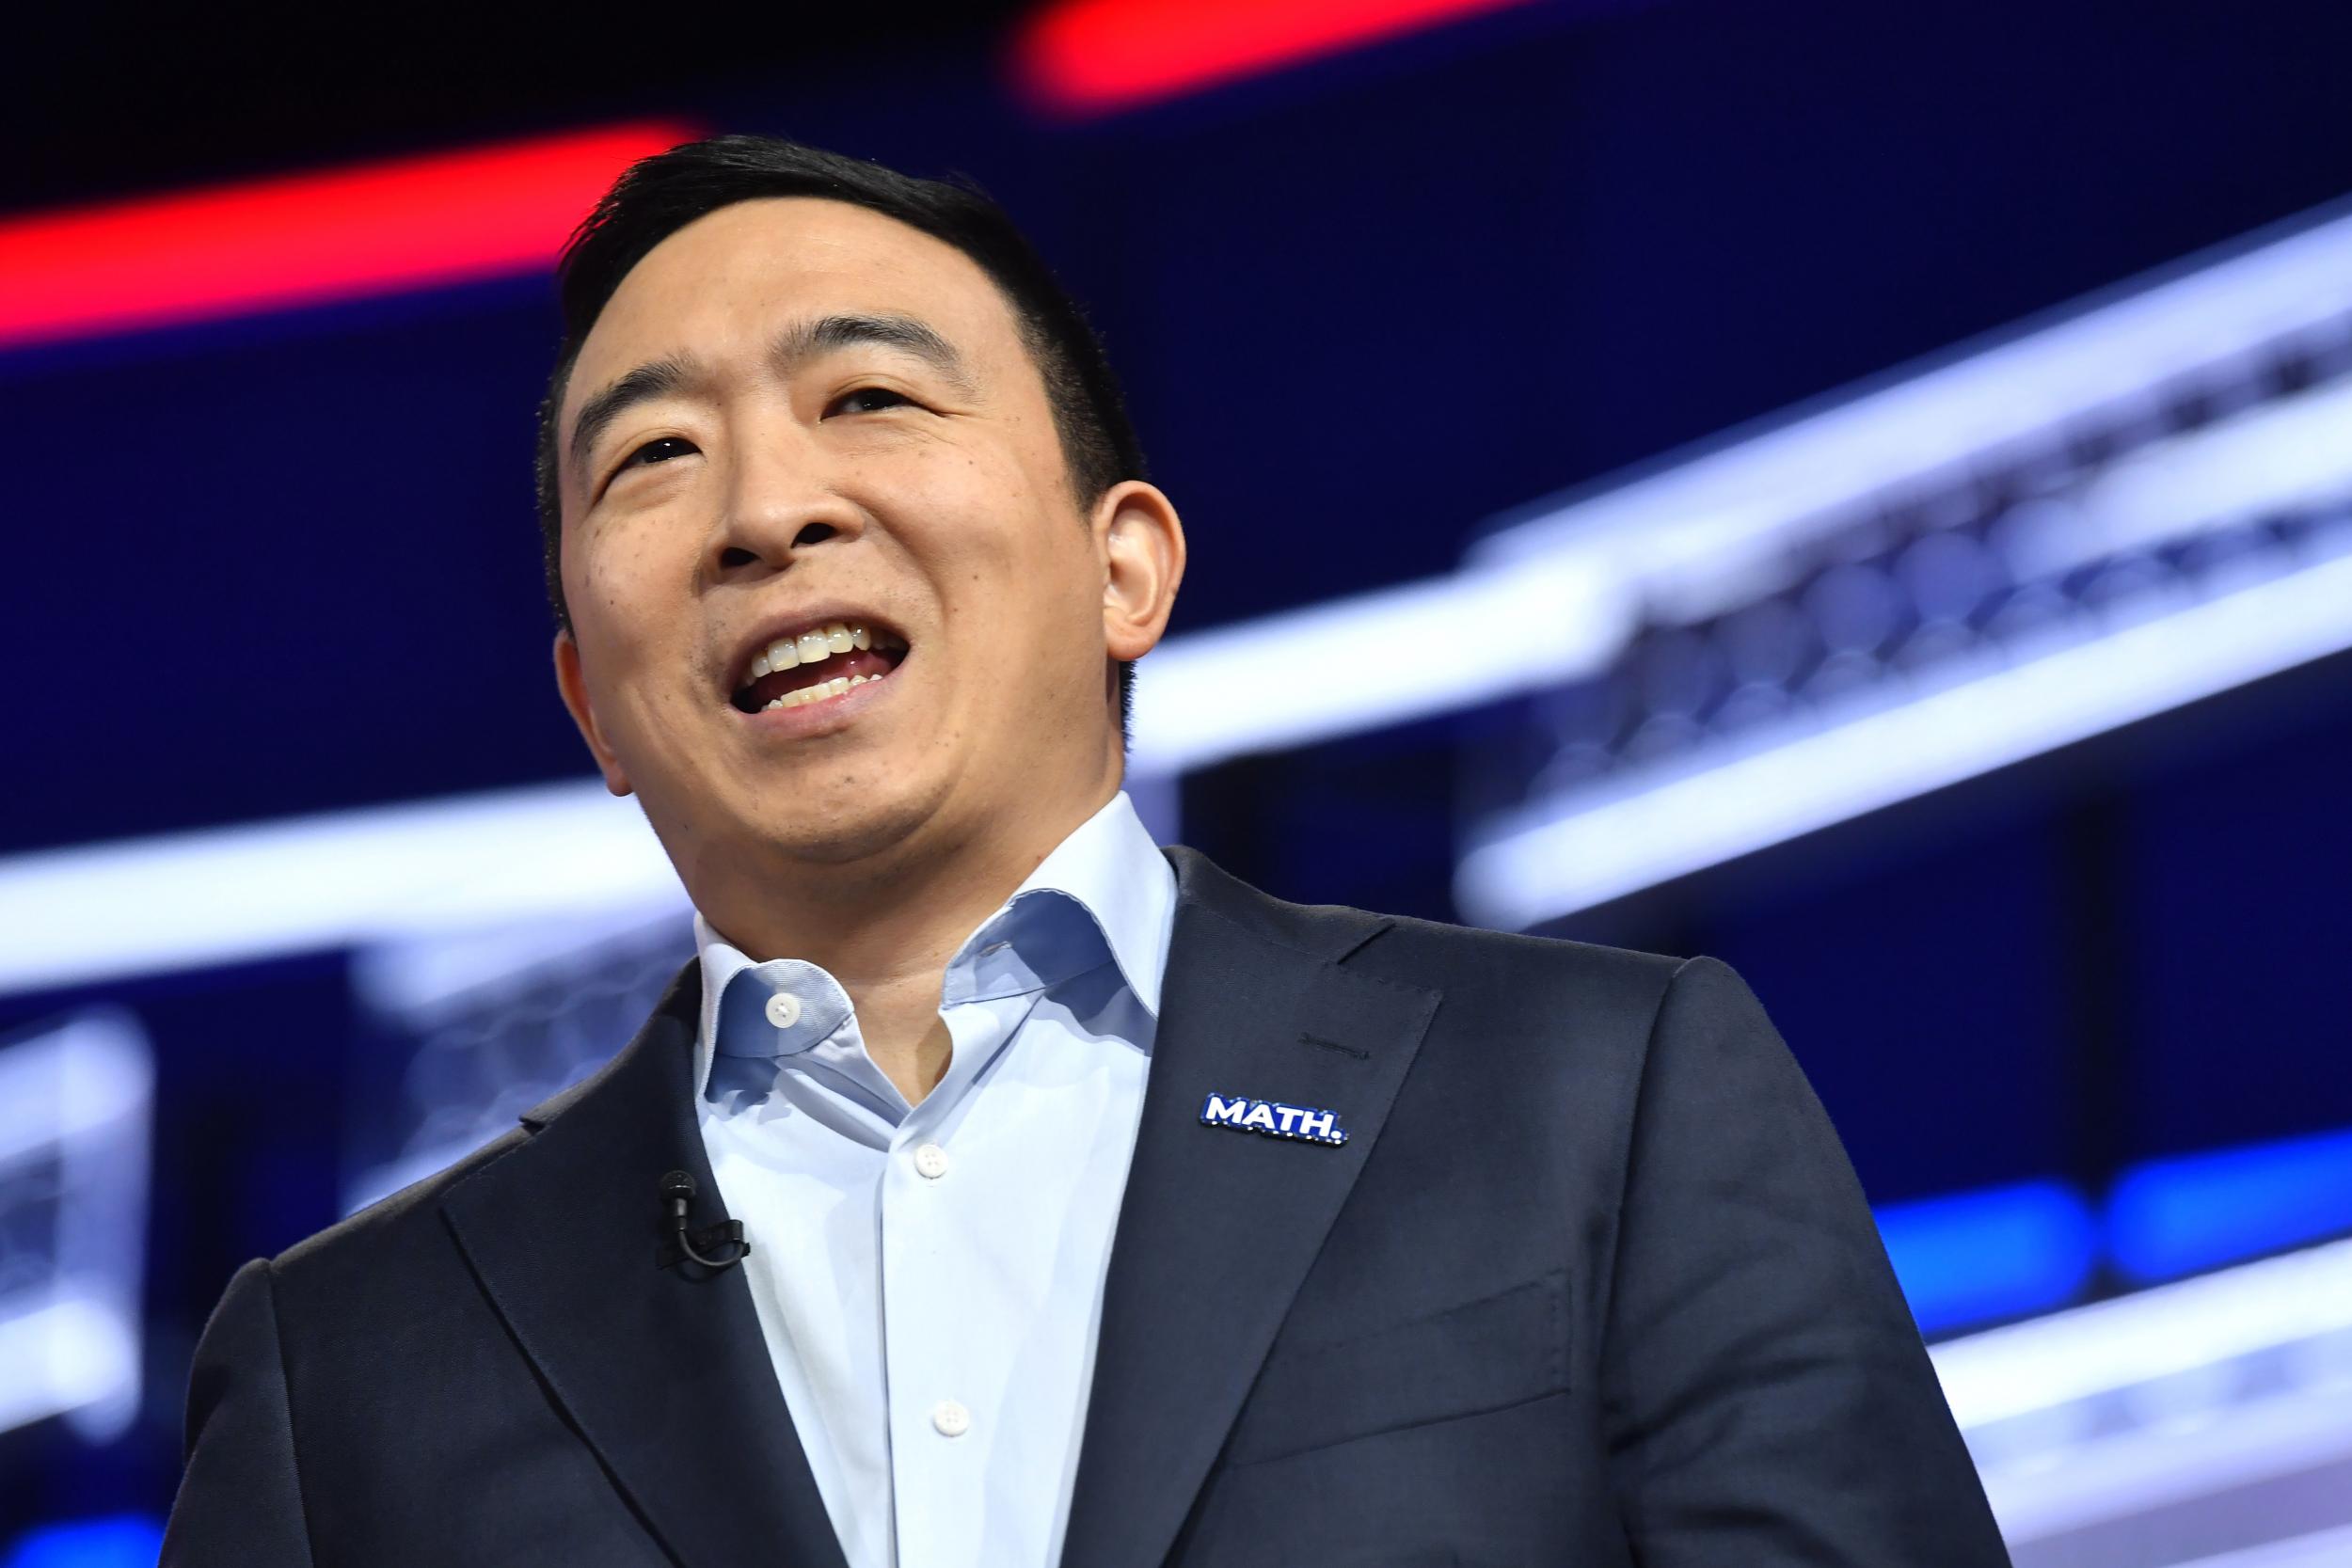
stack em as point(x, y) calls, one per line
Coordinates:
point(1591, 1283)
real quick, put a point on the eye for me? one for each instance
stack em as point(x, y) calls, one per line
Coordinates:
point(658, 442)
point(645, 449)
point(862, 393)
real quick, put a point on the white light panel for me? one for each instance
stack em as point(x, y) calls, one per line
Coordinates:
point(76, 1104)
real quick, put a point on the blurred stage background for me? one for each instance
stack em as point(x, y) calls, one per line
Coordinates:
point(1862, 492)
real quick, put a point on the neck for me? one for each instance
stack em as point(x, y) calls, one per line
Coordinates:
point(885, 927)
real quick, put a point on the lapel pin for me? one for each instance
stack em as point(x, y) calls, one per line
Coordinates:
point(1302, 1122)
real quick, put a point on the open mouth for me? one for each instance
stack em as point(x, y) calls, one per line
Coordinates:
point(824, 659)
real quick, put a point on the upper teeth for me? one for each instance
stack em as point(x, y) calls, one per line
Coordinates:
point(787, 652)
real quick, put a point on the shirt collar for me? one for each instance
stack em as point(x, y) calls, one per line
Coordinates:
point(1108, 871)
point(1113, 871)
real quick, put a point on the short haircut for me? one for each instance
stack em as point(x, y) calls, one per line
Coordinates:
point(655, 196)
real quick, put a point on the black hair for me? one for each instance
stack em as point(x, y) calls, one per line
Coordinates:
point(655, 196)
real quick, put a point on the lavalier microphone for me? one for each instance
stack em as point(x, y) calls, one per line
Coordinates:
point(677, 1191)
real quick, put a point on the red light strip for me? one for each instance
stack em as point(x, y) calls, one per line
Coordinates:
point(302, 239)
point(1090, 57)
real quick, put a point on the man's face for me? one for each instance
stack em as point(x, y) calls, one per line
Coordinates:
point(860, 439)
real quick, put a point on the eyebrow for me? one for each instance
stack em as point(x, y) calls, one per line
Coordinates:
point(677, 373)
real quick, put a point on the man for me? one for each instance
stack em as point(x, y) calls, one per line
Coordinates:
point(1101, 1209)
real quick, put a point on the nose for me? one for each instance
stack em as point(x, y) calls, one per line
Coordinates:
point(781, 501)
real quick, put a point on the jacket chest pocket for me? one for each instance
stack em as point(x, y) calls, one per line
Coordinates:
point(1489, 1354)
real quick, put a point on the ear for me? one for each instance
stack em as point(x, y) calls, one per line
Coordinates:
point(574, 687)
point(1142, 545)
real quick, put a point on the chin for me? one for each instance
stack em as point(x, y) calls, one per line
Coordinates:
point(863, 820)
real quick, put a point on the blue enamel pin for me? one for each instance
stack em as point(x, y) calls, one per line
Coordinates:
point(1302, 1122)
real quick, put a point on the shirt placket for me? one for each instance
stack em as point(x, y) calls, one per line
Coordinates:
point(940, 1388)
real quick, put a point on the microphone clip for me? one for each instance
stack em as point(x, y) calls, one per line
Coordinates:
point(726, 1237)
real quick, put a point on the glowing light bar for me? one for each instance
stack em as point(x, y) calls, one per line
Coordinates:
point(1089, 56)
point(1574, 857)
point(1998, 1253)
point(2171, 1217)
point(1339, 667)
point(75, 1105)
point(2328, 1548)
point(115, 1540)
point(340, 880)
point(2279, 456)
point(2144, 1337)
point(306, 239)
point(1752, 790)
point(1705, 531)
point(2002, 1252)
point(2221, 1457)
point(63, 1356)
point(2227, 1392)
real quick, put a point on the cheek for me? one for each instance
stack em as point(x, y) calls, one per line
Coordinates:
point(972, 543)
point(967, 505)
point(627, 589)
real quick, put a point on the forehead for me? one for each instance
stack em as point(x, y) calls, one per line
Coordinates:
point(720, 287)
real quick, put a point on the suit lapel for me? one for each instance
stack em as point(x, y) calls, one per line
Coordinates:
point(662, 1371)
point(1217, 1227)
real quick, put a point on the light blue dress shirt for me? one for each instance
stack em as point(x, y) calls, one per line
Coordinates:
point(929, 1278)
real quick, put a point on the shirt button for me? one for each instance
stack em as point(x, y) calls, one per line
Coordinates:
point(952, 1419)
point(932, 1161)
point(784, 1009)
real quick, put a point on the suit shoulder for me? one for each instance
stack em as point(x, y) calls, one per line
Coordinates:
point(398, 1221)
point(1411, 950)
point(1506, 978)
point(1545, 1021)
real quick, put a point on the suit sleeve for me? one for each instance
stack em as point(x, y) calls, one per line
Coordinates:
point(1766, 1396)
point(241, 1495)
